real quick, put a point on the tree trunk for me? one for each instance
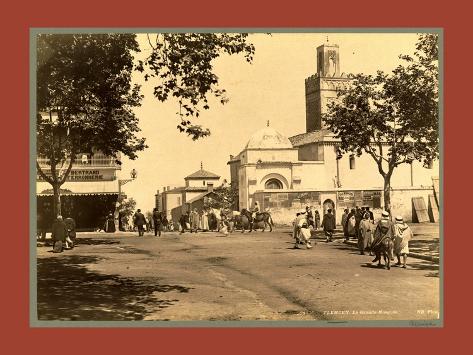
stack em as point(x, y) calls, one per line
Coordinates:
point(57, 199)
point(387, 193)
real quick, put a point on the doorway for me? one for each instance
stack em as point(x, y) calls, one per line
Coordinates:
point(329, 204)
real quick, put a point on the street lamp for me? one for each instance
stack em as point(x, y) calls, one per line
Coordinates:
point(121, 182)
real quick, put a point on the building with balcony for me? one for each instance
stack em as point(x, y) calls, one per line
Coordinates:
point(88, 195)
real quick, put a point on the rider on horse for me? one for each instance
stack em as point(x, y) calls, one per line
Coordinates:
point(255, 211)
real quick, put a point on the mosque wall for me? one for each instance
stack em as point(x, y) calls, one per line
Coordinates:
point(254, 155)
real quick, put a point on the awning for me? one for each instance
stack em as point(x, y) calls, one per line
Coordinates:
point(80, 188)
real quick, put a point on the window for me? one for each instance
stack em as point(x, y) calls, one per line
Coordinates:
point(352, 162)
point(203, 183)
point(273, 184)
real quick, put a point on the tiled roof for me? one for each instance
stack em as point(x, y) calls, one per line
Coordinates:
point(198, 197)
point(202, 174)
point(309, 137)
point(196, 188)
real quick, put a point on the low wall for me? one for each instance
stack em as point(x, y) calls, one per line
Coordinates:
point(401, 204)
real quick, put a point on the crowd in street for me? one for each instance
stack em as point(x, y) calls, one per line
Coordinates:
point(358, 224)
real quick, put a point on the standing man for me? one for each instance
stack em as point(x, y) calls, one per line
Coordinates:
point(358, 218)
point(344, 223)
point(328, 223)
point(157, 222)
point(402, 236)
point(59, 234)
point(317, 219)
point(194, 220)
point(370, 213)
point(184, 221)
point(139, 221)
point(366, 234)
point(310, 217)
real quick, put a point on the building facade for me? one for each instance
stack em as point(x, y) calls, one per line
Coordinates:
point(174, 201)
point(88, 195)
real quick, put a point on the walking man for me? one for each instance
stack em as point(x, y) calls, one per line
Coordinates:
point(384, 229)
point(194, 220)
point(402, 236)
point(328, 224)
point(139, 221)
point(157, 222)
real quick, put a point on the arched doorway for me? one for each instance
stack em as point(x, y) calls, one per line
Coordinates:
point(273, 184)
point(329, 204)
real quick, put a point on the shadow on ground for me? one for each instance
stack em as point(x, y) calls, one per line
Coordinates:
point(67, 290)
point(425, 247)
point(423, 265)
point(95, 241)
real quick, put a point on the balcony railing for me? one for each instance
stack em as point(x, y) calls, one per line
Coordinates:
point(97, 160)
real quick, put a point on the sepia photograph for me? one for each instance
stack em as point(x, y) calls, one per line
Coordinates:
point(250, 178)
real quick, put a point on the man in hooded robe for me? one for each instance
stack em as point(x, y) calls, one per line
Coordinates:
point(366, 234)
point(402, 236)
point(384, 229)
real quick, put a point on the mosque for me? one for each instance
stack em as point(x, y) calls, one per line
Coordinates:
point(286, 174)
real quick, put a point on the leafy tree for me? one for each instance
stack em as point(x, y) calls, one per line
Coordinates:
point(394, 118)
point(127, 209)
point(87, 99)
point(85, 93)
point(182, 66)
point(225, 197)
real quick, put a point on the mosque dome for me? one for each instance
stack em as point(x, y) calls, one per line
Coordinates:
point(268, 138)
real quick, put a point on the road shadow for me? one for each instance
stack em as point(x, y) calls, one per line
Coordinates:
point(423, 265)
point(95, 241)
point(426, 247)
point(346, 247)
point(67, 290)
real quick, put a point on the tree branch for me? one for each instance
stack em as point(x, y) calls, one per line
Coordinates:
point(42, 174)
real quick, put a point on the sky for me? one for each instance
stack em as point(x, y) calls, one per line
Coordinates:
point(270, 88)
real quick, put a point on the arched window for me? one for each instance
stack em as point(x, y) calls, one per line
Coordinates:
point(273, 184)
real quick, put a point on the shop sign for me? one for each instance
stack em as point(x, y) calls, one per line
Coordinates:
point(85, 175)
point(345, 196)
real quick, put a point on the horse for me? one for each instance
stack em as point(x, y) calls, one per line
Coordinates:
point(384, 248)
point(214, 219)
point(263, 218)
point(240, 221)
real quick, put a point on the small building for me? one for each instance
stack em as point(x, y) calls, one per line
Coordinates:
point(174, 201)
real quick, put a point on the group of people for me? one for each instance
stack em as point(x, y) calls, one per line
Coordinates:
point(158, 222)
point(358, 223)
point(398, 231)
point(351, 221)
point(309, 220)
point(204, 220)
point(63, 234)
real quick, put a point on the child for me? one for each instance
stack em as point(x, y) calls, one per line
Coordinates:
point(401, 240)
